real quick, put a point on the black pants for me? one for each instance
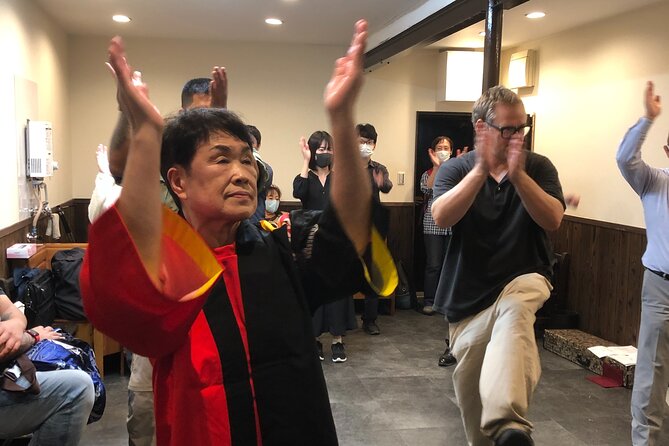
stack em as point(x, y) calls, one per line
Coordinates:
point(435, 251)
point(371, 310)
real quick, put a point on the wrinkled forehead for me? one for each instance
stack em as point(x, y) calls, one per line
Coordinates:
point(225, 143)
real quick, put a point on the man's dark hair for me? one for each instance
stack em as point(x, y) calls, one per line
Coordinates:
point(367, 131)
point(199, 85)
point(185, 131)
point(253, 130)
point(315, 141)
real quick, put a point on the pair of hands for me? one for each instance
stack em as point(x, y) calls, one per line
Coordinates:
point(12, 333)
point(486, 158)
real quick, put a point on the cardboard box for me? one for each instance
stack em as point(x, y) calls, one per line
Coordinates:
point(573, 345)
point(21, 251)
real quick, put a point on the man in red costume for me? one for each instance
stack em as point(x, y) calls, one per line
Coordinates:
point(222, 307)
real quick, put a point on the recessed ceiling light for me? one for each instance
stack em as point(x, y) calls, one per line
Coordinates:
point(120, 18)
point(482, 34)
point(535, 15)
point(273, 21)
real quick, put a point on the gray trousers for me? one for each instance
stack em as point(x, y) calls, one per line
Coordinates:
point(141, 425)
point(651, 375)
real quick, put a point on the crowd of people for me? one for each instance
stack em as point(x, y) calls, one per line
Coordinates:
point(224, 300)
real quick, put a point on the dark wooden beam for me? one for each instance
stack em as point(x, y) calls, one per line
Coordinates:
point(452, 18)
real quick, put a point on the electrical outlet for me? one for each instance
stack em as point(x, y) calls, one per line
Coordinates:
point(400, 178)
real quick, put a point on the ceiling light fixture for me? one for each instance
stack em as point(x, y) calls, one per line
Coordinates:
point(535, 15)
point(273, 21)
point(120, 18)
point(482, 34)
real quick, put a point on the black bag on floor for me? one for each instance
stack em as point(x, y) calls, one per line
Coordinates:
point(66, 265)
point(35, 290)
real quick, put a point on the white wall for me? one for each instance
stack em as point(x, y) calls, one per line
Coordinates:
point(277, 87)
point(32, 47)
point(591, 81)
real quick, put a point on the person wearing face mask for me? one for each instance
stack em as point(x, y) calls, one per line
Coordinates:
point(256, 139)
point(379, 177)
point(436, 238)
point(272, 213)
point(312, 188)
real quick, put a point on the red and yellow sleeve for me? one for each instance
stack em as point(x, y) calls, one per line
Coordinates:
point(120, 298)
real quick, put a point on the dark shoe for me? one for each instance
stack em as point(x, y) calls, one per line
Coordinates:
point(319, 347)
point(371, 328)
point(447, 358)
point(428, 310)
point(514, 437)
point(338, 353)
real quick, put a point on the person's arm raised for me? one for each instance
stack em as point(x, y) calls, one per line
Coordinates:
point(351, 193)
point(139, 204)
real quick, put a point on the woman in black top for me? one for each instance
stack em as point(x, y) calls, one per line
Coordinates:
point(312, 187)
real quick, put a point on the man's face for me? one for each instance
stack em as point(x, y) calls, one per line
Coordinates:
point(506, 116)
point(367, 145)
point(200, 100)
point(221, 184)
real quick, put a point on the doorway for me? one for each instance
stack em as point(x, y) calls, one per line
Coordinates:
point(429, 125)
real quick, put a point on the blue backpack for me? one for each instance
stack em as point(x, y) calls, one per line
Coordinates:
point(50, 355)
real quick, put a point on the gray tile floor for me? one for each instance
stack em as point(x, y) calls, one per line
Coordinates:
point(391, 392)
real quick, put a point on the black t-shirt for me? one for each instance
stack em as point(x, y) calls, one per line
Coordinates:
point(313, 195)
point(495, 241)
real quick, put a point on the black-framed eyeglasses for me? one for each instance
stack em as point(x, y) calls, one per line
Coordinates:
point(508, 131)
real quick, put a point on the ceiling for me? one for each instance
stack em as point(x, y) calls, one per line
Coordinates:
point(561, 15)
point(305, 21)
point(313, 21)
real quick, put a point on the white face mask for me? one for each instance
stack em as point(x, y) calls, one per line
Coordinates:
point(271, 205)
point(366, 150)
point(443, 155)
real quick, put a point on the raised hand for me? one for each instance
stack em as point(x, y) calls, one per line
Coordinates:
point(378, 178)
point(218, 87)
point(102, 159)
point(460, 152)
point(433, 158)
point(652, 102)
point(515, 156)
point(572, 200)
point(344, 85)
point(304, 148)
point(131, 91)
point(483, 143)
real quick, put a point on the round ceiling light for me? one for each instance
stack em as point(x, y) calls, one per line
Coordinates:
point(273, 21)
point(120, 18)
point(535, 15)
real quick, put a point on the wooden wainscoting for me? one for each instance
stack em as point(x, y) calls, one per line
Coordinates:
point(605, 276)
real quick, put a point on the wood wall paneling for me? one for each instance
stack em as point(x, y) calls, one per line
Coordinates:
point(605, 276)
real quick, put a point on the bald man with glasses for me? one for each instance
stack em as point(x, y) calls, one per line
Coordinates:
point(500, 201)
